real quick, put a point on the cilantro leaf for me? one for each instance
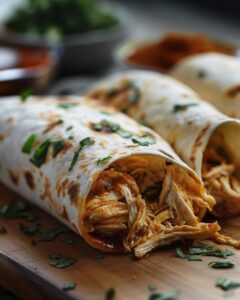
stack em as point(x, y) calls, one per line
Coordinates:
point(171, 295)
point(51, 233)
point(181, 107)
point(25, 94)
point(27, 146)
point(110, 293)
point(144, 140)
point(103, 160)
point(63, 262)
point(227, 284)
point(40, 154)
point(57, 147)
point(69, 286)
point(221, 264)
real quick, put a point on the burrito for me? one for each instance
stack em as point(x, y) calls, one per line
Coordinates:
point(205, 139)
point(116, 183)
point(215, 77)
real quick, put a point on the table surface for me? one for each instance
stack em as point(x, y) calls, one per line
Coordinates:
point(150, 19)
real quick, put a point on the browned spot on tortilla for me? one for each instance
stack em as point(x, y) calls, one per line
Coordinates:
point(29, 180)
point(9, 120)
point(14, 177)
point(198, 142)
point(67, 145)
point(49, 116)
point(52, 125)
point(233, 91)
point(2, 137)
point(62, 187)
point(190, 122)
point(98, 94)
point(46, 193)
point(64, 214)
point(73, 192)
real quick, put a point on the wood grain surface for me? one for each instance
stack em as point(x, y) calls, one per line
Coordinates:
point(25, 269)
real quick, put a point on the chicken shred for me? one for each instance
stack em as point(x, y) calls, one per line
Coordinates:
point(117, 206)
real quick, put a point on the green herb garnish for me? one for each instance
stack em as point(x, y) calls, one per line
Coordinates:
point(152, 287)
point(40, 154)
point(103, 160)
point(201, 73)
point(63, 262)
point(66, 105)
point(110, 293)
point(52, 233)
point(106, 126)
point(29, 230)
point(221, 264)
point(83, 143)
point(26, 94)
point(181, 107)
point(71, 137)
point(69, 128)
point(124, 133)
point(17, 209)
point(57, 147)
point(180, 254)
point(29, 143)
point(69, 286)
point(2, 229)
point(55, 256)
point(69, 241)
point(227, 284)
point(172, 295)
point(144, 140)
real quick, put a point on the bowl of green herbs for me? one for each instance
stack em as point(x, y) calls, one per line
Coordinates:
point(86, 31)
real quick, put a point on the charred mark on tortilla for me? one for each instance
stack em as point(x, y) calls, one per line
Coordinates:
point(14, 177)
point(40, 154)
point(182, 107)
point(233, 91)
point(73, 192)
point(53, 125)
point(27, 146)
point(82, 144)
point(29, 180)
point(2, 137)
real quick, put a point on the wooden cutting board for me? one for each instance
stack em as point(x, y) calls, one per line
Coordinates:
point(25, 269)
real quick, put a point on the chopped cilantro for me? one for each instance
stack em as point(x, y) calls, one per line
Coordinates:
point(144, 140)
point(57, 147)
point(69, 128)
point(29, 230)
point(69, 241)
point(124, 133)
point(171, 295)
point(83, 143)
point(55, 256)
point(63, 262)
point(67, 105)
point(69, 286)
point(221, 264)
point(26, 94)
point(152, 287)
point(201, 73)
point(52, 233)
point(17, 209)
point(29, 143)
point(103, 160)
point(181, 107)
point(227, 284)
point(99, 256)
point(40, 154)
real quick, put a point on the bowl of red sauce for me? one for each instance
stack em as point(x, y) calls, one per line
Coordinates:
point(162, 54)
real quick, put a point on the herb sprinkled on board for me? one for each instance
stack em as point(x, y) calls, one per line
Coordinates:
point(221, 264)
point(144, 140)
point(29, 230)
point(227, 284)
point(82, 144)
point(171, 295)
point(103, 160)
point(25, 94)
point(69, 286)
point(182, 107)
point(52, 233)
point(63, 262)
point(110, 293)
point(16, 210)
point(99, 256)
point(152, 287)
point(27, 146)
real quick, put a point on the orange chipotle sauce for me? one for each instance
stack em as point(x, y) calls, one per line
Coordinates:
point(165, 53)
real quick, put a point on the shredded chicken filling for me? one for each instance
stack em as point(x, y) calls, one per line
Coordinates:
point(219, 176)
point(147, 206)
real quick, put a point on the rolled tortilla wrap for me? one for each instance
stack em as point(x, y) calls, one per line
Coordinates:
point(115, 182)
point(215, 77)
point(204, 138)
